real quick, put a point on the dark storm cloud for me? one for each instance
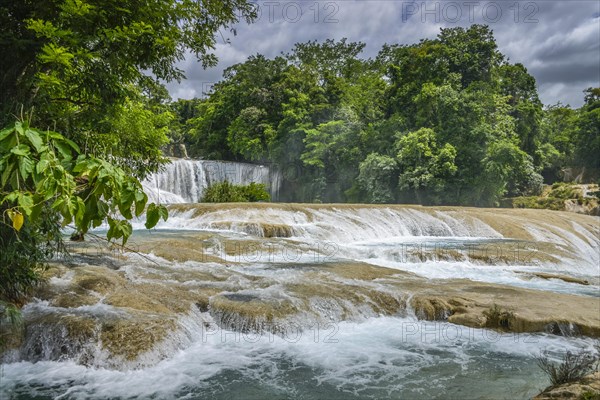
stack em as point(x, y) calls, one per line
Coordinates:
point(558, 41)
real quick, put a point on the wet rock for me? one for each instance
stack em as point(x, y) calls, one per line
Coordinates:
point(561, 277)
point(130, 338)
point(57, 337)
point(587, 388)
point(431, 308)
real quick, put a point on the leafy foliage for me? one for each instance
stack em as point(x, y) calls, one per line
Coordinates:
point(376, 175)
point(423, 164)
point(443, 121)
point(92, 71)
point(46, 184)
point(225, 192)
point(10, 320)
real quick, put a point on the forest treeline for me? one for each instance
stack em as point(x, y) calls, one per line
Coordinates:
point(444, 121)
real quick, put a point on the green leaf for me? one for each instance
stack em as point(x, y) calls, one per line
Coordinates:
point(73, 145)
point(140, 195)
point(119, 229)
point(19, 128)
point(26, 202)
point(152, 216)
point(126, 231)
point(64, 149)
point(35, 139)
point(25, 167)
point(80, 211)
point(20, 150)
point(140, 203)
point(163, 212)
point(41, 166)
point(11, 196)
point(111, 229)
point(102, 209)
point(52, 53)
point(6, 174)
point(5, 132)
point(125, 209)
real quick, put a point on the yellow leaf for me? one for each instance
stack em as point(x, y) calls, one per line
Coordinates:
point(17, 220)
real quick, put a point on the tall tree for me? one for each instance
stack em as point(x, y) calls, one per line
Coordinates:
point(587, 136)
point(77, 61)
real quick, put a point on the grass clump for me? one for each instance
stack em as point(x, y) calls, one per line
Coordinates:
point(11, 320)
point(546, 203)
point(571, 368)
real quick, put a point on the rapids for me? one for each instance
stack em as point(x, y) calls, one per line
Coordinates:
point(272, 301)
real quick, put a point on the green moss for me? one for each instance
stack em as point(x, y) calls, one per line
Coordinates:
point(552, 199)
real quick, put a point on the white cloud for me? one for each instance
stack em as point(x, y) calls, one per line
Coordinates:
point(561, 49)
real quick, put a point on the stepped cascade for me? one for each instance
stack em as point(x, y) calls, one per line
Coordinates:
point(332, 300)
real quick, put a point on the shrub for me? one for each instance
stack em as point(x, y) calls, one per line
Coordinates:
point(23, 254)
point(547, 203)
point(565, 191)
point(255, 192)
point(225, 192)
point(590, 396)
point(498, 318)
point(573, 366)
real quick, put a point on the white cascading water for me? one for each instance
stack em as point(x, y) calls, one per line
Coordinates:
point(361, 354)
point(184, 181)
point(386, 236)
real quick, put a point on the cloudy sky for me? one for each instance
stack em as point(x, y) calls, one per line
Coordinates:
point(558, 41)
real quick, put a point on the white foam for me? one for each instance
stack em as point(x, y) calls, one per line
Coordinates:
point(390, 354)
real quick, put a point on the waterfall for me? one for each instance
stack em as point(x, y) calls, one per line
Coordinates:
point(184, 181)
